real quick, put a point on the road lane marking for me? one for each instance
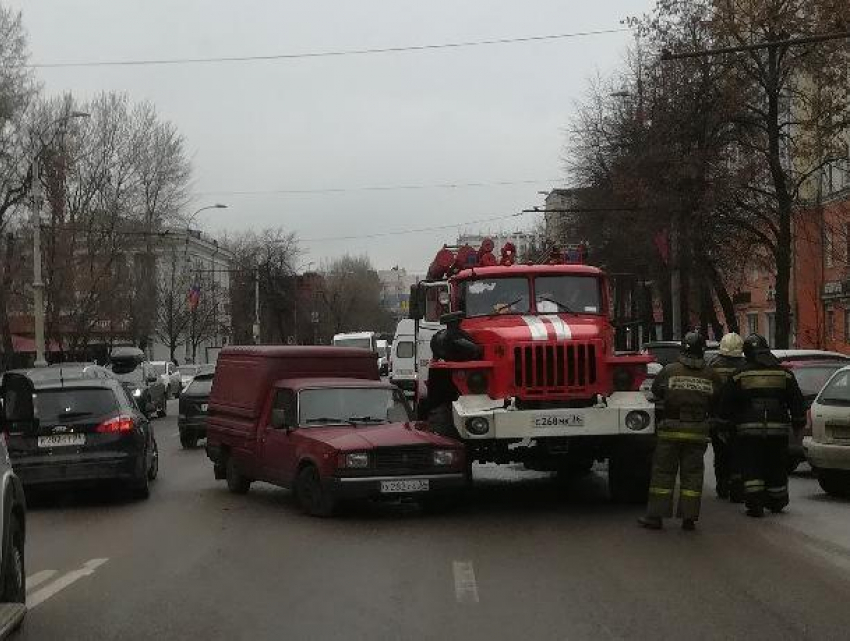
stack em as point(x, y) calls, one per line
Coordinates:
point(466, 589)
point(40, 596)
point(35, 580)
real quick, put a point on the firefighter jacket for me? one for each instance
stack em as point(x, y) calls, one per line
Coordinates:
point(763, 399)
point(686, 395)
point(725, 366)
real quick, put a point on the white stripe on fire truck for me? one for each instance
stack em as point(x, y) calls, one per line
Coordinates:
point(562, 330)
point(537, 328)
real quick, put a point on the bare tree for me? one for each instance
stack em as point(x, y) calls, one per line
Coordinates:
point(173, 313)
point(351, 297)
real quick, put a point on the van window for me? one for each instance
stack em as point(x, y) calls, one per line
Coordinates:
point(404, 349)
point(363, 343)
point(285, 399)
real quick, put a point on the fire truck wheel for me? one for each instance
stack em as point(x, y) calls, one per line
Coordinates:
point(628, 477)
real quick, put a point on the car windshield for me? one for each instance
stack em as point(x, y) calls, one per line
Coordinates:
point(664, 354)
point(812, 379)
point(69, 405)
point(567, 294)
point(837, 391)
point(200, 386)
point(188, 370)
point(346, 405)
point(486, 297)
point(135, 375)
point(362, 343)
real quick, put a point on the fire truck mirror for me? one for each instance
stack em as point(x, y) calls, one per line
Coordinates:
point(416, 303)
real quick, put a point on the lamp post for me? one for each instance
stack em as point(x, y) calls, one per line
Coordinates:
point(192, 217)
point(295, 302)
point(37, 284)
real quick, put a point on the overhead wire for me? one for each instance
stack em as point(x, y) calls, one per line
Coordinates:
point(325, 54)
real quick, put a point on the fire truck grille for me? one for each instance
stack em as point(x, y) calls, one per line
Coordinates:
point(554, 368)
point(399, 458)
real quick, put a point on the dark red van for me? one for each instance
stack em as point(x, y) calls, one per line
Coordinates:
point(319, 420)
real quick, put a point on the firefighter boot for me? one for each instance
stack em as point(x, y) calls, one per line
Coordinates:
point(650, 522)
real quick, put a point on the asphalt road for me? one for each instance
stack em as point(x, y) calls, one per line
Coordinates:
point(529, 558)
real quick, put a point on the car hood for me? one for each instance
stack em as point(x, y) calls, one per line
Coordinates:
point(367, 437)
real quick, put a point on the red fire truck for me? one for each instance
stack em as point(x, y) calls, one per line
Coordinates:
point(525, 369)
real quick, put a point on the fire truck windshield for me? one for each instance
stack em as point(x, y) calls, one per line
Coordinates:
point(567, 294)
point(494, 296)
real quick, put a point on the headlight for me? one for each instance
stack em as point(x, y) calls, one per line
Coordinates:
point(637, 420)
point(137, 392)
point(478, 426)
point(477, 382)
point(623, 379)
point(445, 457)
point(357, 459)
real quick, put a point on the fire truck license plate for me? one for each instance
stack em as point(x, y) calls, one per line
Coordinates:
point(558, 420)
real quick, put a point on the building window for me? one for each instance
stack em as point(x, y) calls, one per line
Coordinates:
point(830, 323)
point(828, 247)
point(752, 323)
point(770, 317)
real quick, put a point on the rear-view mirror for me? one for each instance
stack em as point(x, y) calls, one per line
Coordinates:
point(414, 303)
point(278, 418)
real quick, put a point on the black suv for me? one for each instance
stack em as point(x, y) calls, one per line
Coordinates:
point(85, 427)
point(140, 379)
point(192, 421)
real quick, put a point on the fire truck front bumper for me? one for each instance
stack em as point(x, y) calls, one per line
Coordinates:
point(622, 413)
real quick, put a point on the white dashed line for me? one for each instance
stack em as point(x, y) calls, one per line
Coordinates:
point(466, 590)
point(40, 596)
point(35, 580)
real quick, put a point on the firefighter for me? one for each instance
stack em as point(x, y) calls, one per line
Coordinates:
point(764, 402)
point(726, 470)
point(686, 393)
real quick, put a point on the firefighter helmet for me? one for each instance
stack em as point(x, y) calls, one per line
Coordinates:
point(754, 344)
point(731, 345)
point(693, 345)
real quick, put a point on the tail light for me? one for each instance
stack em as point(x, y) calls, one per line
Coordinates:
point(119, 424)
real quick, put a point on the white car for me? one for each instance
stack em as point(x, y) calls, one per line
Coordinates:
point(828, 448)
point(170, 377)
point(187, 373)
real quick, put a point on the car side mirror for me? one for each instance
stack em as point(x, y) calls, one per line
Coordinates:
point(414, 303)
point(279, 418)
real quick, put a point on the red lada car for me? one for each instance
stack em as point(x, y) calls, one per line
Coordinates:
point(320, 421)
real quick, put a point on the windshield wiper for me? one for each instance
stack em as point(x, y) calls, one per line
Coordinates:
point(560, 305)
point(501, 307)
point(328, 419)
point(366, 419)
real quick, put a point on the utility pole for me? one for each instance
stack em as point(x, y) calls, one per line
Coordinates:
point(37, 284)
point(256, 305)
point(675, 278)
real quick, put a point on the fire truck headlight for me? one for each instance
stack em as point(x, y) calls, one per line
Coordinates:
point(623, 379)
point(637, 420)
point(477, 382)
point(478, 426)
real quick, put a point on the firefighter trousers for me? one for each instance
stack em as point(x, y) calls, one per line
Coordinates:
point(727, 468)
point(764, 461)
point(687, 459)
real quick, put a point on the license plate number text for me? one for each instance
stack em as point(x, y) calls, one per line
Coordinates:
point(405, 485)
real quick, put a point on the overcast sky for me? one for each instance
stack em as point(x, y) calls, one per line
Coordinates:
point(465, 115)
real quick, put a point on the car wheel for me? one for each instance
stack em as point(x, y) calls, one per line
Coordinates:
point(236, 482)
point(188, 440)
point(312, 497)
point(834, 482)
point(153, 470)
point(14, 581)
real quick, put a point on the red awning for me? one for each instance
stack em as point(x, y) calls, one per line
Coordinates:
point(24, 345)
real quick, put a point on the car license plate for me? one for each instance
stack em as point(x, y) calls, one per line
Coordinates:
point(204, 407)
point(558, 420)
point(62, 440)
point(405, 485)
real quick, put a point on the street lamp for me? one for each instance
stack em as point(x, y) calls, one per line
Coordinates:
point(37, 284)
point(295, 302)
point(192, 217)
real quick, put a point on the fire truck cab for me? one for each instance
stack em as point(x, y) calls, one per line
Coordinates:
point(525, 370)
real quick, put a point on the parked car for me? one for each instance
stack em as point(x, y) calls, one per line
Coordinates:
point(167, 372)
point(141, 381)
point(811, 376)
point(15, 414)
point(320, 421)
point(194, 401)
point(666, 352)
point(828, 448)
point(187, 373)
point(796, 355)
point(84, 427)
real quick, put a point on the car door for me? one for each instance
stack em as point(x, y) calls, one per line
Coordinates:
point(831, 411)
point(277, 447)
